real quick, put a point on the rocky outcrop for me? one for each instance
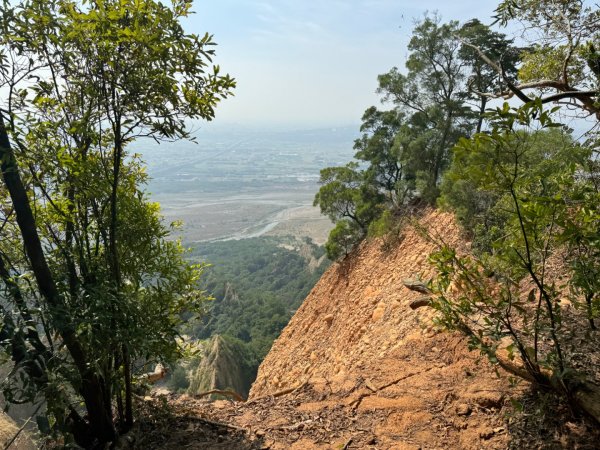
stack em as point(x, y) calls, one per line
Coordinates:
point(223, 366)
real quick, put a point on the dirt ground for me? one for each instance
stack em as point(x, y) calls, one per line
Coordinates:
point(304, 419)
point(8, 431)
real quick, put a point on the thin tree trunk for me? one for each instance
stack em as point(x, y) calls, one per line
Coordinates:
point(116, 266)
point(482, 106)
point(91, 384)
point(588, 299)
point(128, 388)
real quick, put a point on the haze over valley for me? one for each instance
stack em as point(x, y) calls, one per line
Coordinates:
point(241, 184)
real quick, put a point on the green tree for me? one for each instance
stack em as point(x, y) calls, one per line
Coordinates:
point(83, 81)
point(349, 201)
point(382, 148)
point(405, 150)
point(563, 65)
point(482, 78)
point(507, 296)
point(432, 95)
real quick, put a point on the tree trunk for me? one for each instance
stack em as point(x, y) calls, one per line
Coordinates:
point(91, 385)
point(116, 265)
point(482, 106)
point(128, 388)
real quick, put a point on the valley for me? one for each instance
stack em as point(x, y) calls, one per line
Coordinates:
point(240, 184)
point(243, 212)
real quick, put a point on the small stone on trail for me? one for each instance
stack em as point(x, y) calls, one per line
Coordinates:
point(463, 409)
point(486, 434)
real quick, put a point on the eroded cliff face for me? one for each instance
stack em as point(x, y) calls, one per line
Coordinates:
point(359, 346)
point(222, 367)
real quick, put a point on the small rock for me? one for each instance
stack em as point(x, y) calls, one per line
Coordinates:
point(328, 319)
point(486, 434)
point(463, 409)
point(379, 312)
point(260, 433)
point(565, 303)
point(488, 400)
point(416, 285)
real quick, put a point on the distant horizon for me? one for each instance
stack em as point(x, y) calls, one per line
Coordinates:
point(217, 126)
point(312, 64)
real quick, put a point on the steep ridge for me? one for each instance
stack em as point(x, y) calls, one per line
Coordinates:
point(222, 367)
point(357, 368)
point(356, 341)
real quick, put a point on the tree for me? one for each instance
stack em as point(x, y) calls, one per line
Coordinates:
point(405, 150)
point(432, 95)
point(380, 147)
point(563, 65)
point(507, 297)
point(83, 81)
point(475, 37)
point(349, 201)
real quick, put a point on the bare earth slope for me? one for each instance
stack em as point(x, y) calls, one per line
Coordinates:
point(8, 430)
point(357, 368)
point(356, 342)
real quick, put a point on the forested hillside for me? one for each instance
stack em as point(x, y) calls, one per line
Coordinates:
point(256, 285)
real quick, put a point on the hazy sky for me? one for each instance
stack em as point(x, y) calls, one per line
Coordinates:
point(305, 63)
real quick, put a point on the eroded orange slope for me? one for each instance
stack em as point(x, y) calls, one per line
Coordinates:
point(357, 368)
point(356, 342)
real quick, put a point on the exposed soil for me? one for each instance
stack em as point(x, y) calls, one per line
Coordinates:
point(8, 431)
point(357, 368)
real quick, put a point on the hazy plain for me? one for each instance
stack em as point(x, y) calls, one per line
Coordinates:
point(236, 183)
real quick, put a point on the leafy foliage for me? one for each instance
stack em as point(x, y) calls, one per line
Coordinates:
point(535, 186)
point(563, 63)
point(471, 187)
point(91, 282)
